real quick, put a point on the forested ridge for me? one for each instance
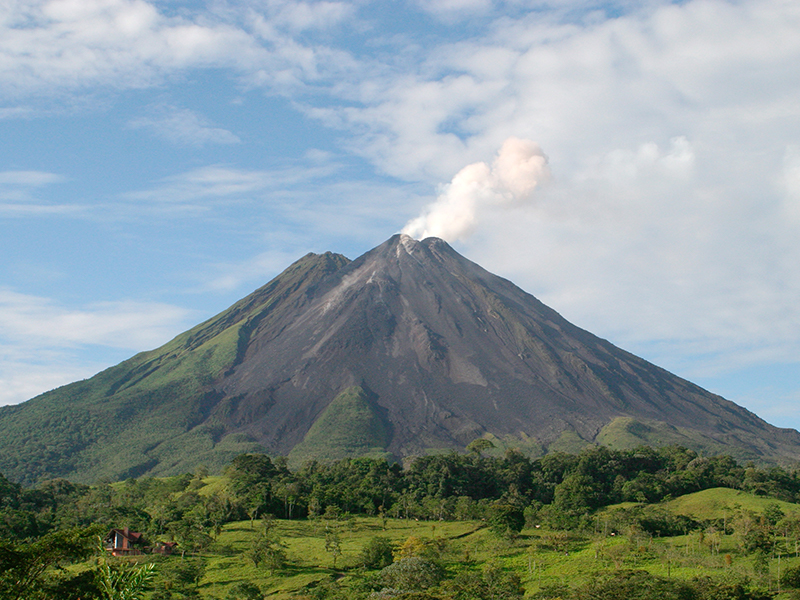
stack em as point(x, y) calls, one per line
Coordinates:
point(556, 503)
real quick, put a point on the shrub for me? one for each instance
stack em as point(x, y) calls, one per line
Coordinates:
point(492, 583)
point(411, 574)
point(635, 585)
point(377, 553)
point(790, 578)
point(244, 591)
point(506, 519)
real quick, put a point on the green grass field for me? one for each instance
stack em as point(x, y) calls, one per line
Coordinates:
point(309, 562)
point(542, 558)
point(718, 503)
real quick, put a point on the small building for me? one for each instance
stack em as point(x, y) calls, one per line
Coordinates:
point(124, 542)
point(164, 548)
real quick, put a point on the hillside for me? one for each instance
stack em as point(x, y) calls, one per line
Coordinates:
point(150, 414)
point(434, 350)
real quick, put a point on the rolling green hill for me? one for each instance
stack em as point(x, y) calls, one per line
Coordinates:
point(720, 503)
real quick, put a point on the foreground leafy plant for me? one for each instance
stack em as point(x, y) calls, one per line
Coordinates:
point(124, 584)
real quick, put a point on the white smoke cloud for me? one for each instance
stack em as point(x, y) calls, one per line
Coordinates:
point(519, 168)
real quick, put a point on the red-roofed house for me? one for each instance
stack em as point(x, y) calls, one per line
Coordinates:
point(165, 548)
point(124, 542)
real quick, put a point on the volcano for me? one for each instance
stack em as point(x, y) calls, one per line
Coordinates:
point(407, 350)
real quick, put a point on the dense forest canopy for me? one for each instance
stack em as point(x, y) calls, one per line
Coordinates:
point(559, 486)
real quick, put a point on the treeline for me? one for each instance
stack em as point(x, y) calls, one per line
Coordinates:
point(559, 490)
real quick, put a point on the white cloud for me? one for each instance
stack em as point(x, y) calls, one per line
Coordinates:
point(18, 197)
point(44, 344)
point(302, 16)
point(14, 112)
point(279, 214)
point(671, 132)
point(28, 209)
point(184, 127)
point(216, 182)
point(791, 182)
point(131, 325)
point(262, 267)
point(203, 184)
point(24, 380)
point(51, 46)
point(700, 69)
point(450, 10)
point(640, 248)
point(27, 178)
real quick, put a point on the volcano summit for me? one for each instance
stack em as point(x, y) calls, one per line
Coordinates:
point(409, 349)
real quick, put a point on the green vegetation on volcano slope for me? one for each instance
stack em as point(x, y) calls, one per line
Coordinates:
point(349, 427)
point(153, 413)
point(626, 433)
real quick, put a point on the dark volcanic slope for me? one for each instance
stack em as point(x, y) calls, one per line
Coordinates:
point(412, 346)
point(448, 352)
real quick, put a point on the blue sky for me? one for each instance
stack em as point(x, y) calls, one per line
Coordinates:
point(635, 165)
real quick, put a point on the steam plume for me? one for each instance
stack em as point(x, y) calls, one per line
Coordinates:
point(518, 168)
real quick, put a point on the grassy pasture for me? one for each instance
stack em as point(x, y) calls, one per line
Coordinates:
point(719, 503)
point(310, 563)
point(543, 558)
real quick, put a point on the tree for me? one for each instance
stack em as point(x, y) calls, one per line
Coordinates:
point(267, 550)
point(790, 578)
point(505, 519)
point(413, 547)
point(219, 509)
point(25, 567)
point(758, 539)
point(479, 445)
point(575, 495)
point(244, 591)
point(182, 576)
point(492, 583)
point(377, 553)
point(333, 544)
point(411, 574)
point(251, 478)
point(190, 534)
point(635, 585)
point(773, 513)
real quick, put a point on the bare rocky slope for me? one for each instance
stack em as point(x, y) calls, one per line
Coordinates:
point(409, 349)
